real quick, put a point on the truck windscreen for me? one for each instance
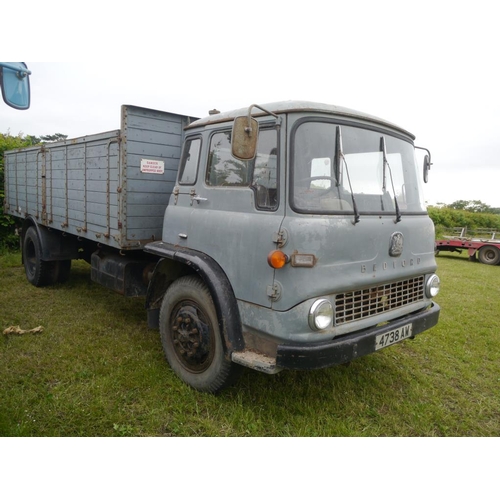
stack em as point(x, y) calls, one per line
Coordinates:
point(380, 171)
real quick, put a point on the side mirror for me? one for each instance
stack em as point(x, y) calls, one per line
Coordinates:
point(244, 138)
point(427, 167)
point(15, 83)
point(427, 163)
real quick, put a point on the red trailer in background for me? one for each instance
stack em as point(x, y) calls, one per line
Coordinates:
point(483, 246)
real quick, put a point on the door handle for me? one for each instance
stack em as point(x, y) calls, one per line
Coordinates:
point(198, 199)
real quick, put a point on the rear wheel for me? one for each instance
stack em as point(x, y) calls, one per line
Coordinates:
point(489, 255)
point(38, 271)
point(191, 336)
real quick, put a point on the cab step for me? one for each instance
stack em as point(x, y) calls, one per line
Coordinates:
point(256, 361)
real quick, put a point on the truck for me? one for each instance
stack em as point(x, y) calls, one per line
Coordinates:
point(485, 246)
point(291, 235)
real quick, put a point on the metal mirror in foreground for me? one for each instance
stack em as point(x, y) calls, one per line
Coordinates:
point(15, 83)
point(244, 138)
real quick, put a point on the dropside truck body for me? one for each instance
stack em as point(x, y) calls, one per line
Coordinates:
point(287, 236)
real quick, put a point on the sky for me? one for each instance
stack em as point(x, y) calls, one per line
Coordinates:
point(432, 67)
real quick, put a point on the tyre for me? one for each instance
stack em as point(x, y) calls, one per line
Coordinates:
point(38, 271)
point(191, 337)
point(489, 255)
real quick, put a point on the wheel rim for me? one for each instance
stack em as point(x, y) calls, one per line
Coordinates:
point(192, 336)
point(489, 255)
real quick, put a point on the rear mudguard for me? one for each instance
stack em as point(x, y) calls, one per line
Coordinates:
point(54, 243)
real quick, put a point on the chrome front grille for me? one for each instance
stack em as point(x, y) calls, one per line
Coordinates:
point(360, 304)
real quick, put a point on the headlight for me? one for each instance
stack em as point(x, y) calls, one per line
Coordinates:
point(321, 315)
point(432, 286)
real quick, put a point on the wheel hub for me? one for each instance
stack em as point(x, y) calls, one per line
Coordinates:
point(191, 336)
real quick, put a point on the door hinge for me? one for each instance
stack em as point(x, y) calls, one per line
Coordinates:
point(280, 238)
point(274, 291)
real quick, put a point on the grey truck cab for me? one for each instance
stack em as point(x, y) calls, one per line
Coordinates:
point(295, 237)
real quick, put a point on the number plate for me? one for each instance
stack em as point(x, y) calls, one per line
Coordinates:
point(394, 336)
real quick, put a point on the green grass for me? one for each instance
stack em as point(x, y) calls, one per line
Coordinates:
point(97, 370)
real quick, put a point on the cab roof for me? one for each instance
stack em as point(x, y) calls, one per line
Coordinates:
point(296, 106)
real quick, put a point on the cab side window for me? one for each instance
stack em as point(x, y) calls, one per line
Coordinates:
point(223, 168)
point(260, 174)
point(190, 161)
point(265, 171)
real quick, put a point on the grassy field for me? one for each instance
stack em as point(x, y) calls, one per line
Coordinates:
point(97, 370)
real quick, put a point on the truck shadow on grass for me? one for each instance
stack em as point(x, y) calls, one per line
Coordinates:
point(115, 305)
point(375, 373)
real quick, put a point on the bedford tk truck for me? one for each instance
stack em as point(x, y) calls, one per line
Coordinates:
point(291, 235)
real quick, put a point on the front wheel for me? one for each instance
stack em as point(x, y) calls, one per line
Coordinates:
point(191, 336)
point(489, 255)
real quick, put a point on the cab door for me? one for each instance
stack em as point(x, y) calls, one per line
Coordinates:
point(233, 211)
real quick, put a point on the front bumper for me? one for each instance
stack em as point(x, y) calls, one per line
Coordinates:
point(299, 356)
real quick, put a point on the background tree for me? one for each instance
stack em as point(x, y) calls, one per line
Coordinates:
point(53, 137)
point(471, 206)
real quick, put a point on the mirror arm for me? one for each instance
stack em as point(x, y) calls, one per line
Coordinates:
point(21, 73)
point(428, 152)
point(248, 129)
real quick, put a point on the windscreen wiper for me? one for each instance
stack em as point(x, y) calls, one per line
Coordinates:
point(339, 158)
point(388, 167)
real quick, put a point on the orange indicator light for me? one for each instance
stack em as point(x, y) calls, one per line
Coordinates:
point(277, 259)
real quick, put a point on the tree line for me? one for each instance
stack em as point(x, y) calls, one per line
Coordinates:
point(475, 206)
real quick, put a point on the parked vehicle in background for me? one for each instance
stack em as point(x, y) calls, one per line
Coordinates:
point(483, 246)
point(287, 236)
point(15, 84)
